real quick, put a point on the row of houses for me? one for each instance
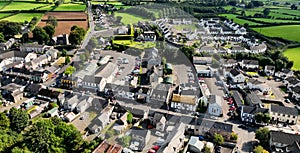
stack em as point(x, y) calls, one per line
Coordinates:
point(234, 49)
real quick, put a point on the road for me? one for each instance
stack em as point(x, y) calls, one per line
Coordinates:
point(91, 26)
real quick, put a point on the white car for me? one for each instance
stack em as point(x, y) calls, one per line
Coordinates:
point(159, 134)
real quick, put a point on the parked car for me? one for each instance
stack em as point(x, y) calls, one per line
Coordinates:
point(155, 148)
point(159, 134)
point(151, 151)
point(287, 100)
point(242, 126)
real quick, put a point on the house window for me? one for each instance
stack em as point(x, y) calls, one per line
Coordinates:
point(283, 115)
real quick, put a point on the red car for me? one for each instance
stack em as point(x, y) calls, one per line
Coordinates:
point(155, 148)
point(232, 108)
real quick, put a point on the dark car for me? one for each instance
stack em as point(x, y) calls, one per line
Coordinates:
point(242, 126)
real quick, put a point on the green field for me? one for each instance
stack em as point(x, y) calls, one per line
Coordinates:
point(133, 44)
point(293, 54)
point(128, 18)
point(4, 15)
point(289, 32)
point(22, 6)
point(70, 7)
point(21, 17)
point(47, 8)
point(275, 20)
point(2, 4)
point(239, 21)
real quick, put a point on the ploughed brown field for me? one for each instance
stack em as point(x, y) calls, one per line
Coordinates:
point(66, 15)
point(66, 20)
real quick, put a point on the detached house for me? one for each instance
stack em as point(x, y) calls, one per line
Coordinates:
point(269, 70)
point(139, 139)
point(99, 123)
point(295, 92)
point(236, 76)
point(283, 114)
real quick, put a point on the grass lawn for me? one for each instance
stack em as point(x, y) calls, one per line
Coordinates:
point(294, 55)
point(21, 17)
point(70, 7)
point(289, 32)
point(22, 6)
point(128, 18)
point(4, 15)
point(239, 21)
point(133, 44)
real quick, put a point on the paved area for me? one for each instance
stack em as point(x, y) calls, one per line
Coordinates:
point(217, 90)
point(182, 73)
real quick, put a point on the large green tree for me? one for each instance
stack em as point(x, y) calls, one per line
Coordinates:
point(19, 119)
point(76, 35)
point(50, 30)
point(52, 21)
point(218, 139)
point(4, 121)
point(40, 35)
point(260, 149)
point(263, 135)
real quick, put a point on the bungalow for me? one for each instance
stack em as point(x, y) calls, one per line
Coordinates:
point(208, 49)
point(229, 63)
point(203, 70)
point(236, 76)
point(261, 48)
point(255, 84)
point(250, 64)
point(202, 60)
point(283, 114)
point(269, 70)
point(215, 105)
point(248, 113)
point(139, 139)
point(284, 142)
point(237, 49)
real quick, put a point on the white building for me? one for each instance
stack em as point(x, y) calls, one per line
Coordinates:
point(215, 105)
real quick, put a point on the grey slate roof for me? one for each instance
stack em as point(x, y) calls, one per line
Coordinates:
point(254, 110)
point(284, 138)
point(235, 72)
point(284, 110)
